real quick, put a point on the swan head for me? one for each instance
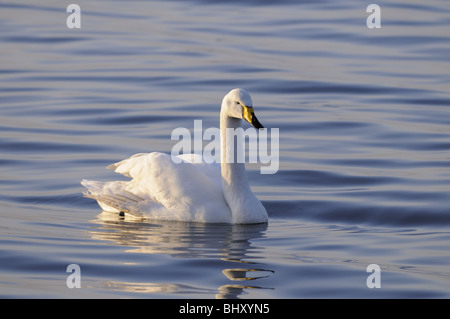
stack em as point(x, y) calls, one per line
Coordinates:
point(238, 104)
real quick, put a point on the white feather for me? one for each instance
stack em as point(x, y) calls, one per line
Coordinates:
point(189, 191)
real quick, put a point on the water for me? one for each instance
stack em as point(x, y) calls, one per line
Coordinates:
point(364, 125)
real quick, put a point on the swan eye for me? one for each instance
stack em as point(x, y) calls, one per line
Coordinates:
point(243, 105)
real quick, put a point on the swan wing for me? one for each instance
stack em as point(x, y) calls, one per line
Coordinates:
point(161, 189)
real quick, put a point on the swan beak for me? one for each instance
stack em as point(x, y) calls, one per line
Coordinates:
point(248, 114)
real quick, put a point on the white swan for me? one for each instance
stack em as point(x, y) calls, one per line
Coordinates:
point(189, 191)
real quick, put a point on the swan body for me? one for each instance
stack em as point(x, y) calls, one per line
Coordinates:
point(194, 190)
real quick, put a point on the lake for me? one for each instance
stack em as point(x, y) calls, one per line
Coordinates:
point(364, 147)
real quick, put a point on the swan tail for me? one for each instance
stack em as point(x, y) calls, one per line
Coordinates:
point(121, 201)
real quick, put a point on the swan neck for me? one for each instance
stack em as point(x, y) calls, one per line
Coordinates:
point(230, 167)
point(244, 206)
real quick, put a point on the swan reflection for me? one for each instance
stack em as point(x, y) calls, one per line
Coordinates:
point(246, 274)
point(221, 242)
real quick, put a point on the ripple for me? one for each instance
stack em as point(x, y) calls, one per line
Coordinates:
point(364, 146)
point(328, 209)
point(308, 178)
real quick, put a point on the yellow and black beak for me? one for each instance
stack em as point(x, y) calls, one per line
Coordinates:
point(248, 114)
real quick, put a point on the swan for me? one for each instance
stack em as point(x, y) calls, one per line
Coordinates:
point(194, 190)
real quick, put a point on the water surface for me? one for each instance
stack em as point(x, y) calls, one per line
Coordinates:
point(364, 146)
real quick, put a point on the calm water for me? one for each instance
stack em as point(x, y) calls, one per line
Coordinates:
point(364, 125)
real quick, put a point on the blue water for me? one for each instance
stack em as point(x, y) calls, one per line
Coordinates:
point(364, 124)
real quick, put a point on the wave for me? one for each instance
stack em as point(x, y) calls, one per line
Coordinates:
point(346, 212)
